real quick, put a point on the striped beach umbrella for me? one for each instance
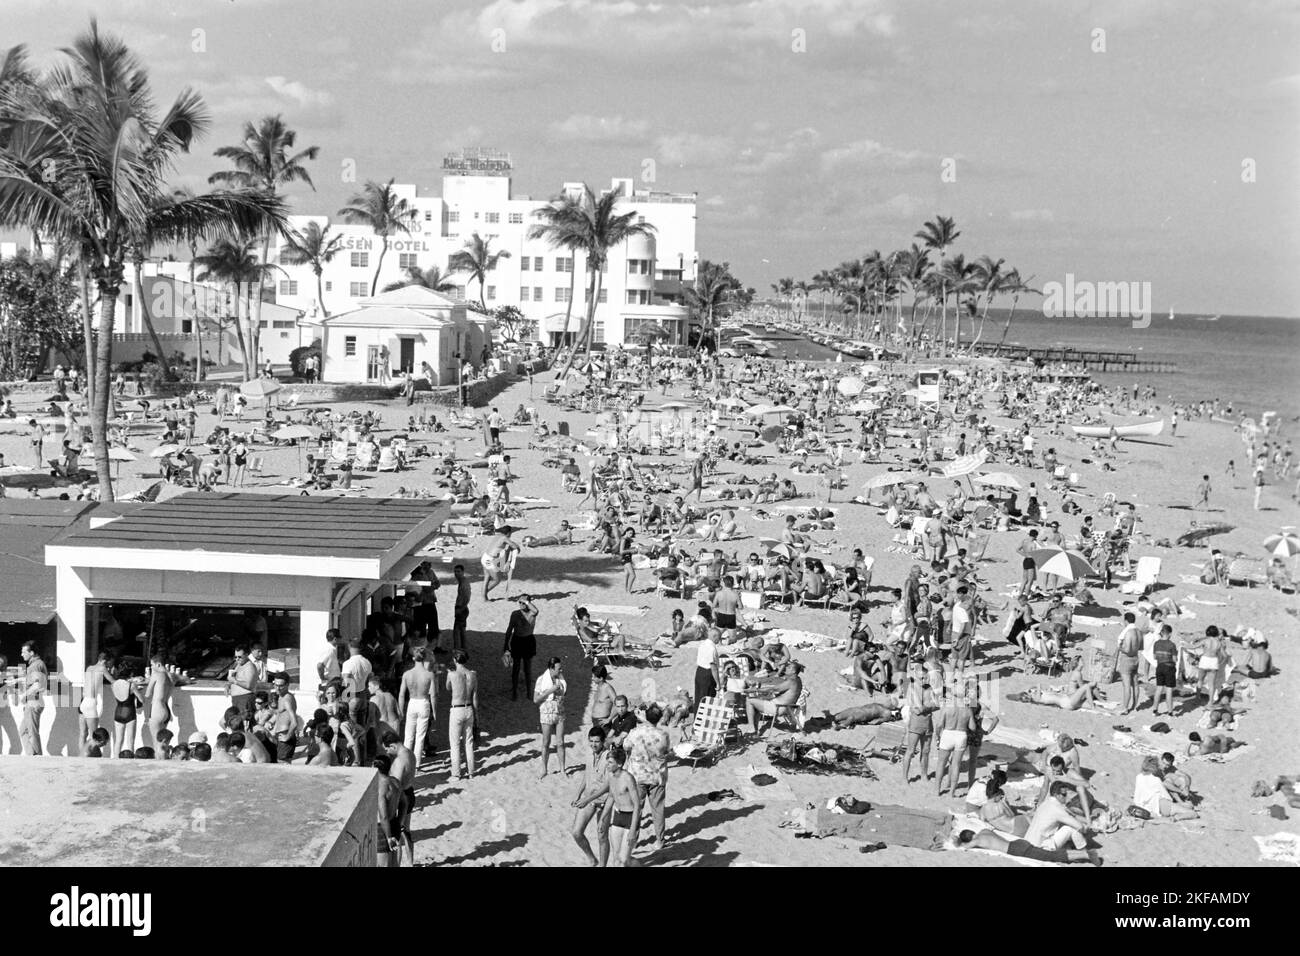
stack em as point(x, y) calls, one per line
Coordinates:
point(893, 478)
point(1067, 565)
point(964, 465)
point(1283, 545)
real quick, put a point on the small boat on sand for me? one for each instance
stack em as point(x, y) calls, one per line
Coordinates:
point(1139, 430)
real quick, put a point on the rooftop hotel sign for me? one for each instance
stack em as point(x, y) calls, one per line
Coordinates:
point(365, 244)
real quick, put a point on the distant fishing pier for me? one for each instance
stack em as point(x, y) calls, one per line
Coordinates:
point(1096, 361)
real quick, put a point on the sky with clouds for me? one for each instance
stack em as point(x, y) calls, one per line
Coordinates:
point(812, 130)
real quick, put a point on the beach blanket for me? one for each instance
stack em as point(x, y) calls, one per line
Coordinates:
point(817, 758)
point(1013, 737)
point(1193, 599)
point(1280, 848)
point(891, 825)
point(804, 640)
point(624, 609)
point(762, 791)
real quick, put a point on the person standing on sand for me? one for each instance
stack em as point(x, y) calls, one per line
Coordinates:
point(595, 783)
point(625, 813)
point(647, 747)
point(1259, 484)
point(463, 684)
point(548, 695)
point(159, 695)
point(1029, 575)
point(521, 643)
point(416, 701)
point(1203, 492)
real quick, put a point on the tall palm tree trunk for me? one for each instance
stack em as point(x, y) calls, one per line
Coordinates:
point(587, 323)
point(103, 389)
point(383, 251)
point(320, 292)
point(1007, 328)
point(255, 316)
point(983, 318)
point(147, 319)
point(568, 306)
point(87, 326)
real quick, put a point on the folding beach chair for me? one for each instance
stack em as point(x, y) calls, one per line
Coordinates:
point(1248, 571)
point(709, 732)
point(1145, 575)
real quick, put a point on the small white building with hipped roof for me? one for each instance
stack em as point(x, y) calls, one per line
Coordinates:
point(411, 329)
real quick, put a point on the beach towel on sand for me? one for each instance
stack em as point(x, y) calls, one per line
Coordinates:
point(1280, 847)
point(626, 609)
point(890, 825)
point(805, 639)
point(968, 821)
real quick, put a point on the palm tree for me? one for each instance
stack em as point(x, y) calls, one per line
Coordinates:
point(105, 151)
point(938, 234)
point(264, 161)
point(824, 282)
point(431, 278)
point(315, 247)
point(799, 292)
point(712, 297)
point(478, 260)
point(141, 245)
point(378, 207)
point(957, 276)
point(913, 265)
point(1015, 288)
point(991, 280)
point(593, 227)
point(561, 227)
point(235, 264)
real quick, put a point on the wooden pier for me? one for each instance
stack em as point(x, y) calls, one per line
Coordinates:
point(1086, 358)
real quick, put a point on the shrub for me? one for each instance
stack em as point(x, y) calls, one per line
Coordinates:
point(298, 357)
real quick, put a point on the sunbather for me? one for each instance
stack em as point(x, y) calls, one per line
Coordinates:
point(988, 840)
point(1085, 694)
point(864, 714)
point(1214, 744)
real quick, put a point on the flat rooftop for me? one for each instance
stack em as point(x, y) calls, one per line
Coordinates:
point(79, 811)
point(311, 531)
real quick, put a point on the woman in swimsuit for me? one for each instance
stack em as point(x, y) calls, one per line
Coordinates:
point(1087, 693)
point(625, 555)
point(130, 696)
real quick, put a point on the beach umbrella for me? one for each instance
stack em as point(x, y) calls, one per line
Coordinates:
point(162, 451)
point(771, 433)
point(1197, 535)
point(675, 406)
point(850, 387)
point(260, 387)
point(759, 410)
point(779, 410)
point(294, 433)
point(1284, 545)
point(781, 549)
point(964, 465)
point(118, 453)
point(864, 407)
point(730, 402)
point(998, 479)
point(1067, 565)
point(893, 478)
point(878, 390)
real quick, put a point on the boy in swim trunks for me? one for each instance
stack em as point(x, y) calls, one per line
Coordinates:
point(594, 780)
point(625, 820)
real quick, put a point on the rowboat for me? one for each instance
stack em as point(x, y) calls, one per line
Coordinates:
point(1140, 430)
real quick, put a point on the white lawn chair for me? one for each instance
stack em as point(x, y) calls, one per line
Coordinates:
point(1145, 575)
point(388, 460)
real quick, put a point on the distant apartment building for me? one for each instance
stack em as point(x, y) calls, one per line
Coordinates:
point(642, 283)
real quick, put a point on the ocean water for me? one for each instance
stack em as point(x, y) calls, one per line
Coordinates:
point(1252, 361)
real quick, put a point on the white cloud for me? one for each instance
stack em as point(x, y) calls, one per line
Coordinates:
point(585, 128)
point(867, 153)
point(298, 92)
point(694, 149)
point(1032, 215)
point(715, 201)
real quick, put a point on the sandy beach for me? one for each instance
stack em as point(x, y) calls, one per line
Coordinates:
point(505, 815)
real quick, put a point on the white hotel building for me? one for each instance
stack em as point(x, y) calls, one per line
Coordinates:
point(642, 284)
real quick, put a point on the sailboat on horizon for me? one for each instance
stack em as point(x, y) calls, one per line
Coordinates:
point(1171, 313)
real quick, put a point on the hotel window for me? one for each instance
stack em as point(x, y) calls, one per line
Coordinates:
point(602, 298)
point(523, 293)
point(638, 296)
point(491, 292)
point(458, 293)
point(406, 260)
point(516, 218)
point(288, 287)
point(563, 264)
point(282, 324)
point(598, 329)
point(329, 286)
point(453, 216)
point(360, 260)
point(492, 217)
point(357, 289)
point(349, 346)
point(561, 294)
point(523, 264)
point(537, 263)
point(187, 326)
point(283, 257)
point(428, 215)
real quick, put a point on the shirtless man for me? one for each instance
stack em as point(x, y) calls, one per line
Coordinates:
point(325, 757)
point(863, 714)
point(233, 722)
point(952, 724)
point(784, 693)
point(390, 719)
point(462, 683)
point(159, 695)
point(1059, 772)
point(1087, 693)
point(416, 700)
point(284, 726)
point(595, 778)
point(92, 699)
point(501, 554)
point(989, 840)
point(390, 799)
point(625, 818)
point(402, 769)
point(1214, 744)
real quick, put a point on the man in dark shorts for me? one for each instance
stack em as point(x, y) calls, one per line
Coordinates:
point(1165, 652)
point(989, 840)
point(388, 831)
point(521, 643)
point(1029, 570)
point(725, 603)
point(425, 608)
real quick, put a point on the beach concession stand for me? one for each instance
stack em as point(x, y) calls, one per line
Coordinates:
point(199, 573)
